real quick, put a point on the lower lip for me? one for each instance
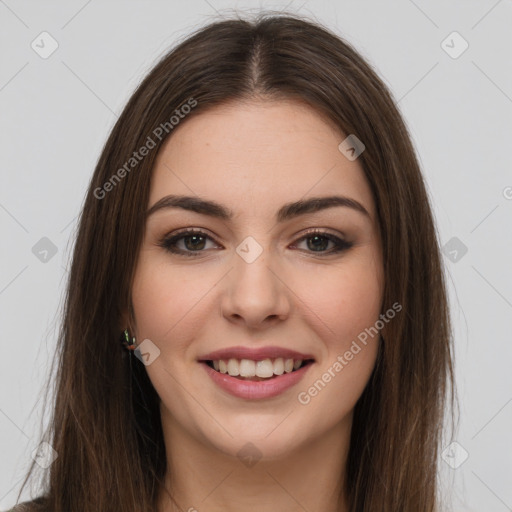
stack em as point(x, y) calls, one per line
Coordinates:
point(254, 390)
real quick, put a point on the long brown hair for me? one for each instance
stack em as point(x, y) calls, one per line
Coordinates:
point(105, 423)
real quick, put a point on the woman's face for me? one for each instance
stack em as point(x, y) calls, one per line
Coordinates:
point(256, 288)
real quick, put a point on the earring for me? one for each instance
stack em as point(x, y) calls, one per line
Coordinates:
point(127, 342)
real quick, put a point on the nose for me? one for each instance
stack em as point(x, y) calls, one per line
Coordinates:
point(255, 294)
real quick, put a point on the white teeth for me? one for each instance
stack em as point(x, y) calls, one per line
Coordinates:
point(233, 368)
point(263, 369)
point(247, 368)
point(279, 366)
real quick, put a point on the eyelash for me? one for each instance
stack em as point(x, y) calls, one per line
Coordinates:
point(169, 243)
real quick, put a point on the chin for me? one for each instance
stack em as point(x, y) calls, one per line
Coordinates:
point(269, 439)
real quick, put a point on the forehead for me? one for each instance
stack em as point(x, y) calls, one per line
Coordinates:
point(257, 154)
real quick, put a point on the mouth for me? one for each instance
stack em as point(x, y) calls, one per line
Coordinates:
point(257, 370)
point(256, 374)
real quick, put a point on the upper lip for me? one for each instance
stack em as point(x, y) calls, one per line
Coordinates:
point(254, 354)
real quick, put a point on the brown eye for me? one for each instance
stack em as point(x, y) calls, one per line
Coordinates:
point(318, 241)
point(194, 242)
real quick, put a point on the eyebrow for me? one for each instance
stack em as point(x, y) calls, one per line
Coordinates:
point(286, 212)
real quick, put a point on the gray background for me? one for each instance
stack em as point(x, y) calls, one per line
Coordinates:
point(57, 112)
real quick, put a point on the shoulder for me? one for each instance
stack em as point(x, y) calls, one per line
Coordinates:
point(36, 505)
point(22, 507)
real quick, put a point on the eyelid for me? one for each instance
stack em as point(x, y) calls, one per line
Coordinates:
point(306, 232)
point(323, 231)
point(340, 242)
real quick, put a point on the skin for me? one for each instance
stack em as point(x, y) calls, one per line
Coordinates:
point(253, 157)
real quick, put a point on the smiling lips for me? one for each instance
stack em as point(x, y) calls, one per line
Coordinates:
point(256, 373)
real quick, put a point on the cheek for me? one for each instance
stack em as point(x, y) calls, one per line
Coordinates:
point(350, 308)
point(164, 297)
point(346, 300)
point(152, 295)
point(332, 393)
point(349, 303)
